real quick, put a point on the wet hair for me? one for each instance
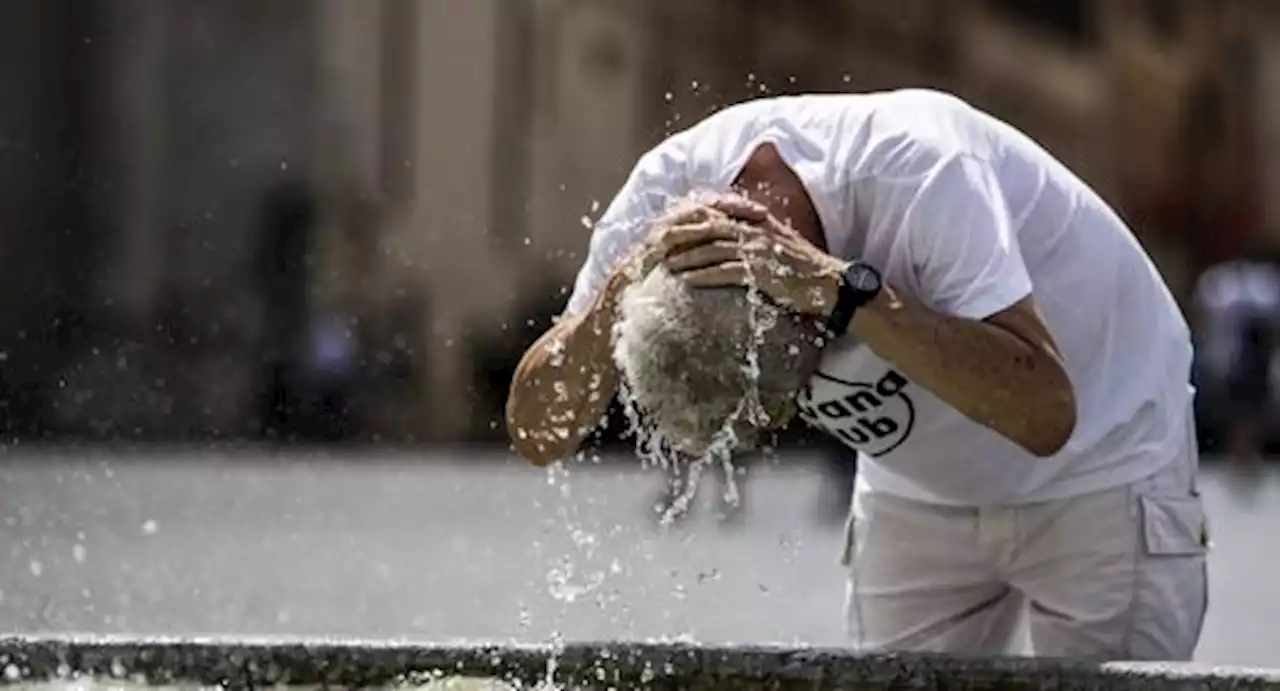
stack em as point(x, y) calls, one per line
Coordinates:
point(699, 364)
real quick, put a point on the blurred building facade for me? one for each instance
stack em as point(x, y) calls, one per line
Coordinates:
point(234, 216)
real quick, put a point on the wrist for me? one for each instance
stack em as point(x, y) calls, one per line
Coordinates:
point(858, 284)
point(826, 294)
point(873, 315)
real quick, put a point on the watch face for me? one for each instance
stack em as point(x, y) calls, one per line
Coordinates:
point(863, 278)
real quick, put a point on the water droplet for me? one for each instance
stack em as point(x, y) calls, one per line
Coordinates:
point(556, 355)
point(79, 553)
point(150, 527)
point(37, 569)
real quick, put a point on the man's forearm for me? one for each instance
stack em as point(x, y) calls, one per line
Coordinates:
point(992, 375)
point(563, 385)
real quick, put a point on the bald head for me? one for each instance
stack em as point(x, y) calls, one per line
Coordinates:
point(708, 364)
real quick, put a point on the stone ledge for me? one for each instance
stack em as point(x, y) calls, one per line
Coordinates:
point(245, 663)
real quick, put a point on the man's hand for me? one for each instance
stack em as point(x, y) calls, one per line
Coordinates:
point(666, 233)
point(741, 244)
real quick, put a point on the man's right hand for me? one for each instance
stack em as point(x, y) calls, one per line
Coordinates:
point(660, 241)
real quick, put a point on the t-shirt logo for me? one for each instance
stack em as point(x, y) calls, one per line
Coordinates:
point(874, 418)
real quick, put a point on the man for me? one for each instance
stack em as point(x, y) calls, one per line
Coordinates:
point(1015, 374)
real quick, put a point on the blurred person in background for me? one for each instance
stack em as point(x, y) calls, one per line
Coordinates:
point(1237, 308)
point(291, 346)
point(1007, 361)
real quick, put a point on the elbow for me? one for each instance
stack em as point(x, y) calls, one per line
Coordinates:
point(1055, 423)
point(537, 453)
point(531, 447)
point(529, 438)
point(524, 439)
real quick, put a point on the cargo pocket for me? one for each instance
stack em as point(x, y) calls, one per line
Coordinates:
point(1174, 526)
point(1171, 593)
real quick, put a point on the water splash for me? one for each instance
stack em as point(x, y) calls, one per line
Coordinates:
point(683, 469)
point(581, 573)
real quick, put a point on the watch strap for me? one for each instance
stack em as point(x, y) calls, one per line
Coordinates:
point(848, 299)
point(837, 323)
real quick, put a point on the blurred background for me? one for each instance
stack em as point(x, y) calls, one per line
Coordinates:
point(231, 224)
point(332, 220)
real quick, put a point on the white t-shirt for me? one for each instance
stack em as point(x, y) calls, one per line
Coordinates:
point(968, 215)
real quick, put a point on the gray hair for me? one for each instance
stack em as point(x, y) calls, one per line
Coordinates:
point(701, 365)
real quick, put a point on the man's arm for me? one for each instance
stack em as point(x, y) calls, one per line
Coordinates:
point(564, 382)
point(1003, 372)
point(979, 343)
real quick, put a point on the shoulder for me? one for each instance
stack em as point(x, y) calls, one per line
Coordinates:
point(659, 176)
point(915, 133)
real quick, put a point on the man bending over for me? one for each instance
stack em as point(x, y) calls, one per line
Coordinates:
point(1009, 365)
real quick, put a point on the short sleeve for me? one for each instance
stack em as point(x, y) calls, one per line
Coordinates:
point(961, 242)
point(650, 189)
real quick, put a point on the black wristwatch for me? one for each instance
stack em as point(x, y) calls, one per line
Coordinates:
point(859, 284)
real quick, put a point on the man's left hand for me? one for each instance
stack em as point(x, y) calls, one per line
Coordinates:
point(749, 247)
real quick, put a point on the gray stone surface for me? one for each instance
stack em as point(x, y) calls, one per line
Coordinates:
point(463, 546)
point(586, 666)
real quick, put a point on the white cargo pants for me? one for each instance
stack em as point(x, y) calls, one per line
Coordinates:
point(1114, 575)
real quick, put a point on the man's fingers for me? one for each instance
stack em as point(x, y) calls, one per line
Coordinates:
point(705, 255)
point(730, 206)
point(734, 273)
point(693, 234)
point(688, 214)
point(741, 208)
